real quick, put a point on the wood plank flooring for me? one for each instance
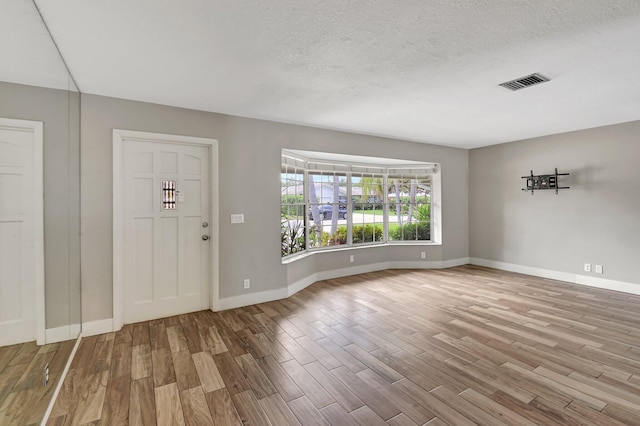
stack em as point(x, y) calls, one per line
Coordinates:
point(23, 397)
point(460, 346)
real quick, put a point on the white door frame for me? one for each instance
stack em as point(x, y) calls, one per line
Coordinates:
point(36, 127)
point(120, 137)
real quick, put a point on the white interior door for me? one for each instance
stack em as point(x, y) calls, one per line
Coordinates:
point(166, 267)
point(21, 229)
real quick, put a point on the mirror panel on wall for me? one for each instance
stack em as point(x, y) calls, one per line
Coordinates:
point(36, 90)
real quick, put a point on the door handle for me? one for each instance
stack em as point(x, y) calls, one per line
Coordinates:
point(205, 237)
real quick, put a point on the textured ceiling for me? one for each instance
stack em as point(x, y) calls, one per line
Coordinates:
point(412, 69)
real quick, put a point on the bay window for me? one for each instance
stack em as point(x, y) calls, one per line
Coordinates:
point(331, 201)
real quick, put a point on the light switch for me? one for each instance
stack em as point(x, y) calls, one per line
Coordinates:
point(237, 218)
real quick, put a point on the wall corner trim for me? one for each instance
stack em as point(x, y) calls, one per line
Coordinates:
point(596, 282)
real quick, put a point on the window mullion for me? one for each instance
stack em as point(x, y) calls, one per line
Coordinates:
point(305, 199)
point(349, 211)
point(385, 209)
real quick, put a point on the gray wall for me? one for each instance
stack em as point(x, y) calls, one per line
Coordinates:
point(484, 212)
point(596, 221)
point(58, 110)
point(249, 176)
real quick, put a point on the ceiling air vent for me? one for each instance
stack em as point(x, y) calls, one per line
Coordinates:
point(522, 82)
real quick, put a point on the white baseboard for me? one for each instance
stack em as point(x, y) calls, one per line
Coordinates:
point(560, 276)
point(68, 332)
point(608, 284)
point(373, 267)
point(428, 264)
point(92, 328)
point(351, 270)
point(454, 262)
point(252, 298)
point(60, 334)
point(293, 288)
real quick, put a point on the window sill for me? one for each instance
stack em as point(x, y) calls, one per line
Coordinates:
point(294, 257)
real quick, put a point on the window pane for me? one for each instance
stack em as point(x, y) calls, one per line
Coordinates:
point(368, 223)
point(292, 232)
point(368, 195)
point(292, 214)
point(327, 209)
point(409, 208)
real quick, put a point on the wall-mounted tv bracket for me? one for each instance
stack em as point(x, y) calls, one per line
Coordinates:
point(541, 182)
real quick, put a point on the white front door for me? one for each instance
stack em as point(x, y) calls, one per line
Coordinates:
point(166, 267)
point(21, 229)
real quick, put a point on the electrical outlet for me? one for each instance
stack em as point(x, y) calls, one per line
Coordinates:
point(423, 255)
point(587, 267)
point(598, 269)
point(352, 258)
point(247, 283)
point(45, 375)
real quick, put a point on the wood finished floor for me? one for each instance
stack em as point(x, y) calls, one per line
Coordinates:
point(23, 397)
point(461, 346)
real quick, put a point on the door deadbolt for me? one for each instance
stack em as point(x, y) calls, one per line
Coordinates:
point(205, 237)
point(205, 224)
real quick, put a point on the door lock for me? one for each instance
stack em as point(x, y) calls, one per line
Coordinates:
point(205, 237)
point(205, 224)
